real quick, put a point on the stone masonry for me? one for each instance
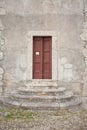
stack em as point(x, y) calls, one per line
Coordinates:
point(2, 42)
point(84, 49)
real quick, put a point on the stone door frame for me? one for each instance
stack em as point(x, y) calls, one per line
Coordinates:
point(54, 52)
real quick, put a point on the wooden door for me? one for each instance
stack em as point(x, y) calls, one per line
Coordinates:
point(42, 61)
point(46, 71)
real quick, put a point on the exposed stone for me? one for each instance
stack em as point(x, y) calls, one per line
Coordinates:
point(2, 48)
point(0, 33)
point(39, 101)
point(1, 55)
point(1, 77)
point(61, 89)
point(83, 36)
point(1, 83)
point(1, 26)
point(86, 61)
point(2, 41)
point(85, 89)
point(84, 50)
point(1, 71)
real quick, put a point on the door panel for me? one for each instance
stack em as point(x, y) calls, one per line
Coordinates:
point(47, 58)
point(37, 58)
point(42, 47)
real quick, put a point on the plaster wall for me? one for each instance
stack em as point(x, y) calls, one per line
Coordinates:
point(63, 17)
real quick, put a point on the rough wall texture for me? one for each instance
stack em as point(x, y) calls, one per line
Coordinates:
point(2, 42)
point(84, 49)
point(64, 17)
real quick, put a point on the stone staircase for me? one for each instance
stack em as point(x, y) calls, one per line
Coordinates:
point(41, 98)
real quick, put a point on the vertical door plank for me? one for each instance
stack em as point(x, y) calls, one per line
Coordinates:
point(47, 58)
point(37, 57)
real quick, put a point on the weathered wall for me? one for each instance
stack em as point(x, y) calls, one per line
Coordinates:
point(84, 49)
point(64, 17)
point(2, 42)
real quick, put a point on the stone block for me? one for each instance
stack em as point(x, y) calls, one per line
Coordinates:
point(85, 52)
point(0, 90)
point(1, 83)
point(0, 33)
point(1, 55)
point(1, 86)
point(83, 36)
point(85, 90)
point(2, 48)
point(2, 41)
point(1, 26)
point(1, 71)
point(1, 77)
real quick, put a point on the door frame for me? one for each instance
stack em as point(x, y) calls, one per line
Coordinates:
point(53, 34)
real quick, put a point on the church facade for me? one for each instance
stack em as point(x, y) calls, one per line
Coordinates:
point(43, 43)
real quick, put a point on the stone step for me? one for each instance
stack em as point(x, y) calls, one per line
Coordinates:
point(40, 105)
point(41, 98)
point(44, 98)
point(45, 91)
point(41, 83)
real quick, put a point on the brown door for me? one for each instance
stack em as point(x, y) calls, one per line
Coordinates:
point(42, 61)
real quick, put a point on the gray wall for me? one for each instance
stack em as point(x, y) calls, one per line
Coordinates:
point(63, 16)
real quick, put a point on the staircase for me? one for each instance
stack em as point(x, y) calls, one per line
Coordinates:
point(41, 98)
